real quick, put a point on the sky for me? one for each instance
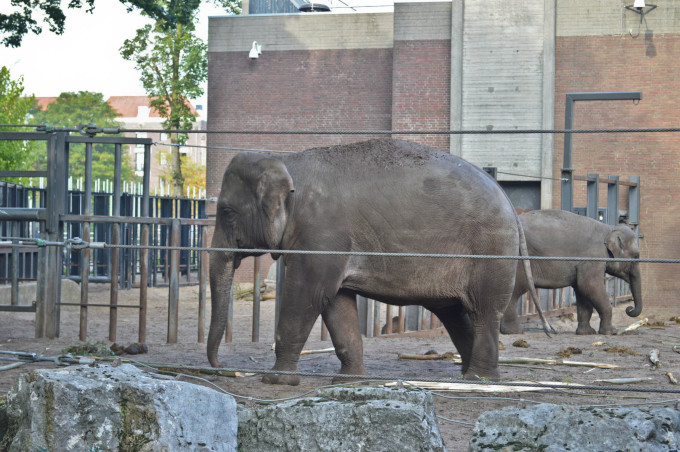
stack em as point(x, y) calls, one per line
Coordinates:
point(86, 57)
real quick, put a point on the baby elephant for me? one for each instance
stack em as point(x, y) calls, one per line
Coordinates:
point(561, 233)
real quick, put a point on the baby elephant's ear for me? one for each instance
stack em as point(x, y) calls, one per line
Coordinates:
point(614, 243)
point(273, 186)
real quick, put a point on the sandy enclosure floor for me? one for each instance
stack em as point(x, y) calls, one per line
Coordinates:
point(628, 351)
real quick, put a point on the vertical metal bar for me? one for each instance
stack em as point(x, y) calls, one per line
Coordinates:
point(280, 277)
point(634, 201)
point(592, 188)
point(568, 124)
point(567, 189)
point(376, 318)
point(85, 253)
point(173, 298)
point(362, 309)
point(402, 319)
point(613, 201)
point(40, 290)
point(256, 299)
point(114, 267)
point(14, 295)
point(202, 284)
point(324, 331)
point(144, 253)
point(143, 282)
point(369, 316)
point(57, 157)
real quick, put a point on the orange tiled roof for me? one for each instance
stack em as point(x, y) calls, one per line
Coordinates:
point(126, 106)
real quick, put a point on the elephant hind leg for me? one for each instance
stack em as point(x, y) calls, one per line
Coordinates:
point(510, 322)
point(592, 294)
point(342, 320)
point(457, 323)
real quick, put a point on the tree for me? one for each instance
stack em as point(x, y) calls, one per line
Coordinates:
point(76, 109)
point(173, 64)
point(15, 25)
point(193, 173)
point(14, 109)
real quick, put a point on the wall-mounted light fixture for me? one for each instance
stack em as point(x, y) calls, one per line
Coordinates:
point(255, 51)
point(642, 9)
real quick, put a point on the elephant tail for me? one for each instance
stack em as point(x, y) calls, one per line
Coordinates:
point(547, 327)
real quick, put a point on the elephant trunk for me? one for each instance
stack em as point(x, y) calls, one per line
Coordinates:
point(636, 289)
point(221, 279)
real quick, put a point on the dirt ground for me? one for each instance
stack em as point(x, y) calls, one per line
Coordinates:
point(457, 411)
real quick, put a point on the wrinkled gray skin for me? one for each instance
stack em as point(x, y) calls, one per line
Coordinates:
point(381, 196)
point(565, 234)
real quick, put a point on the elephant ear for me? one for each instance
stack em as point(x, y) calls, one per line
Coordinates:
point(615, 243)
point(273, 186)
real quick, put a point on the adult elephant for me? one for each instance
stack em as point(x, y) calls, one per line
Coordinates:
point(565, 234)
point(380, 196)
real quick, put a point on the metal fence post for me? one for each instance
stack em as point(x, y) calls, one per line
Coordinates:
point(592, 193)
point(634, 201)
point(256, 299)
point(567, 189)
point(613, 201)
point(56, 206)
point(202, 281)
point(173, 297)
point(85, 253)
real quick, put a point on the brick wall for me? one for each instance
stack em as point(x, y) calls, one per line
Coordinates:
point(421, 89)
point(293, 90)
point(621, 63)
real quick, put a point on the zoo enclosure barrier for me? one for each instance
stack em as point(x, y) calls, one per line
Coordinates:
point(59, 222)
point(44, 217)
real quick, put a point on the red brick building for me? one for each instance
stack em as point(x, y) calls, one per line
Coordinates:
point(466, 65)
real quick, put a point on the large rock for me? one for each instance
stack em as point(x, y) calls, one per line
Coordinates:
point(553, 428)
point(116, 408)
point(346, 419)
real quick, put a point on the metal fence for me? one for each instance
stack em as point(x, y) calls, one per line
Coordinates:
point(130, 226)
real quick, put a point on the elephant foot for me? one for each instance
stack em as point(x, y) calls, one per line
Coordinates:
point(511, 328)
point(608, 330)
point(482, 375)
point(278, 379)
point(585, 330)
point(344, 373)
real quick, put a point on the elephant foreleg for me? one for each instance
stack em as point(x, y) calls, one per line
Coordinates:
point(342, 320)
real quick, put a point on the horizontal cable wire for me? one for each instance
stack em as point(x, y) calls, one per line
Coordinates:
point(76, 244)
point(405, 380)
point(88, 129)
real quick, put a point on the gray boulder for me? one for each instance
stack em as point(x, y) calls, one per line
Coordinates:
point(346, 419)
point(553, 428)
point(116, 408)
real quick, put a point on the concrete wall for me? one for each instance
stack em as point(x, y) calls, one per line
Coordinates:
point(503, 87)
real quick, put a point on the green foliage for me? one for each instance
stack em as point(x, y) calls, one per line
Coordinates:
point(194, 173)
point(14, 109)
point(14, 25)
point(89, 349)
point(173, 64)
point(76, 109)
